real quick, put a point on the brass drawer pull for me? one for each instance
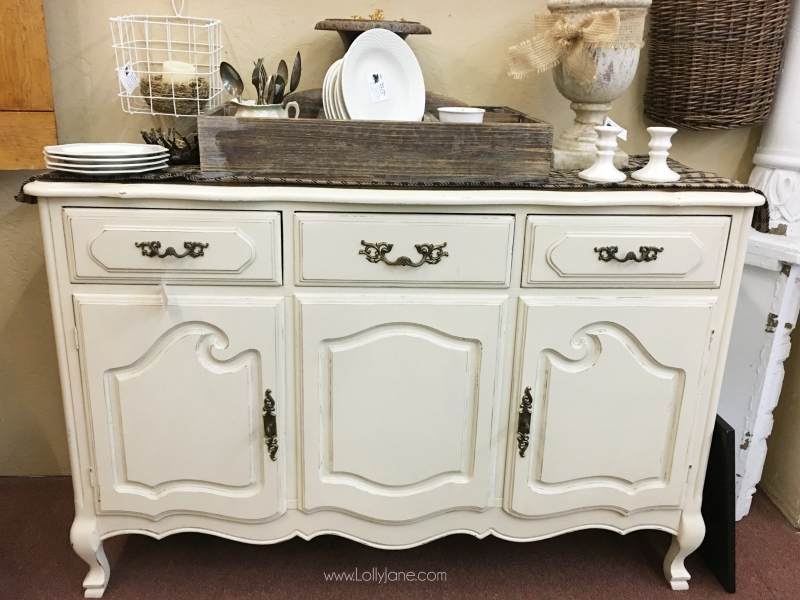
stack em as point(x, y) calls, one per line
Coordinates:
point(151, 249)
point(646, 254)
point(431, 254)
point(270, 425)
point(524, 423)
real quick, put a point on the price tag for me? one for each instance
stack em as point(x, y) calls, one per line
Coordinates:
point(128, 78)
point(377, 88)
point(623, 134)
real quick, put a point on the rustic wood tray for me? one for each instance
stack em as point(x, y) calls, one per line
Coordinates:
point(508, 147)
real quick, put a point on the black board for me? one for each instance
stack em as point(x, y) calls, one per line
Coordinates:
point(719, 506)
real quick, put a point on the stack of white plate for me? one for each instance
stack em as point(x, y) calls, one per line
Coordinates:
point(106, 159)
point(379, 79)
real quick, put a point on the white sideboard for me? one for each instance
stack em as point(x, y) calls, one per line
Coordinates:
point(391, 366)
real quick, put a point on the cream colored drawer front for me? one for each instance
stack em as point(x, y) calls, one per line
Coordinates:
point(243, 247)
point(565, 250)
point(330, 249)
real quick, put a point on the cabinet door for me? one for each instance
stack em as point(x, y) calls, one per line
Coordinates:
point(176, 394)
point(398, 403)
point(612, 388)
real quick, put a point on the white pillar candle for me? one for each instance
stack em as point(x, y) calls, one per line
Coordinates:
point(177, 72)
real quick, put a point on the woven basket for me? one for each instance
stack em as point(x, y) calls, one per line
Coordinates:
point(713, 63)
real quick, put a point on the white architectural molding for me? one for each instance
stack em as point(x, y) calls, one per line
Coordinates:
point(777, 159)
point(766, 315)
point(769, 298)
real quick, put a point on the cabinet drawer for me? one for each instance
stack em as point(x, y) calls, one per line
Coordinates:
point(403, 250)
point(139, 246)
point(647, 252)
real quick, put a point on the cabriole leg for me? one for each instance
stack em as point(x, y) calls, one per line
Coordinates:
point(89, 547)
point(691, 532)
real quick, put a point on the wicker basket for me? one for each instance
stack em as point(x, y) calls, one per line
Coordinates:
point(713, 63)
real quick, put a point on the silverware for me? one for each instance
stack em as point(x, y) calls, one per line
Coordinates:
point(270, 93)
point(283, 71)
point(256, 79)
point(296, 69)
point(231, 80)
point(262, 76)
point(280, 89)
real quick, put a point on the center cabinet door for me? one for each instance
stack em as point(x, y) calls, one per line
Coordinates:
point(399, 403)
point(611, 389)
point(177, 393)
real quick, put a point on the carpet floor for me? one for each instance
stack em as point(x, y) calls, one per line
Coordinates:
point(36, 562)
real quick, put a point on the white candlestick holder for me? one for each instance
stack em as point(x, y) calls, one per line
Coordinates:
point(657, 170)
point(603, 169)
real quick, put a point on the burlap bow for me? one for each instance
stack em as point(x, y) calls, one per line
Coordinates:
point(559, 40)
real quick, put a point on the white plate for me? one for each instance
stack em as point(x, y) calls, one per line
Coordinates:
point(326, 97)
point(338, 98)
point(115, 172)
point(333, 73)
point(381, 52)
point(105, 150)
point(55, 164)
point(107, 162)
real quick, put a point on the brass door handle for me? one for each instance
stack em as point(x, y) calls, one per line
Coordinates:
point(431, 254)
point(152, 249)
point(646, 254)
point(270, 425)
point(524, 422)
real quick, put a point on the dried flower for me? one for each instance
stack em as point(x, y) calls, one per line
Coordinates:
point(377, 15)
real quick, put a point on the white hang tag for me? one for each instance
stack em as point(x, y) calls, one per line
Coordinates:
point(623, 134)
point(128, 78)
point(377, 88)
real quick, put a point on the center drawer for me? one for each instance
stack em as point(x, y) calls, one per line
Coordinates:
point(403, 250)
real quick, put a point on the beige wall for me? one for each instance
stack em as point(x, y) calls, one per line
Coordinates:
point(465, 57)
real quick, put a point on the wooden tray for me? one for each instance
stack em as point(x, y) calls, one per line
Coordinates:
point(508, 147)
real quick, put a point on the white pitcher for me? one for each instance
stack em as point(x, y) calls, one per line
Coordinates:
point(249, 109)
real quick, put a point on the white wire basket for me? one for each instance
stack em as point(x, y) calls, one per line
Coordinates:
point(168, 65)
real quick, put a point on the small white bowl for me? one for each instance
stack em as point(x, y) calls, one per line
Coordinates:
point(461, 114)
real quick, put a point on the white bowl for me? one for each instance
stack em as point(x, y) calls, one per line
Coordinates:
point(461, 114)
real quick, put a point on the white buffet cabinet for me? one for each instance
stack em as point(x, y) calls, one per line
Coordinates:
point(391, 366)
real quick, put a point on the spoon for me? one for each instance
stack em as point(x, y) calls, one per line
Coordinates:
point(231, 80)
point(283, 71)
point(296, 69)
point(280, 89)
point(269, 94)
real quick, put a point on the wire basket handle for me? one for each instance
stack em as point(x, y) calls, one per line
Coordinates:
point(177, 12)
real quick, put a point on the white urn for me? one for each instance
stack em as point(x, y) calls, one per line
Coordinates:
point(576, 147)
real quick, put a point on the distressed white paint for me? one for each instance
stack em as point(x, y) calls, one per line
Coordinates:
point(771, 288)
point(175, 395)
point(561, 251)
point(478, 249)
point(396, 408)
point(614, 397)
point(766, 315)
point(242, 247)
point(398, 396)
